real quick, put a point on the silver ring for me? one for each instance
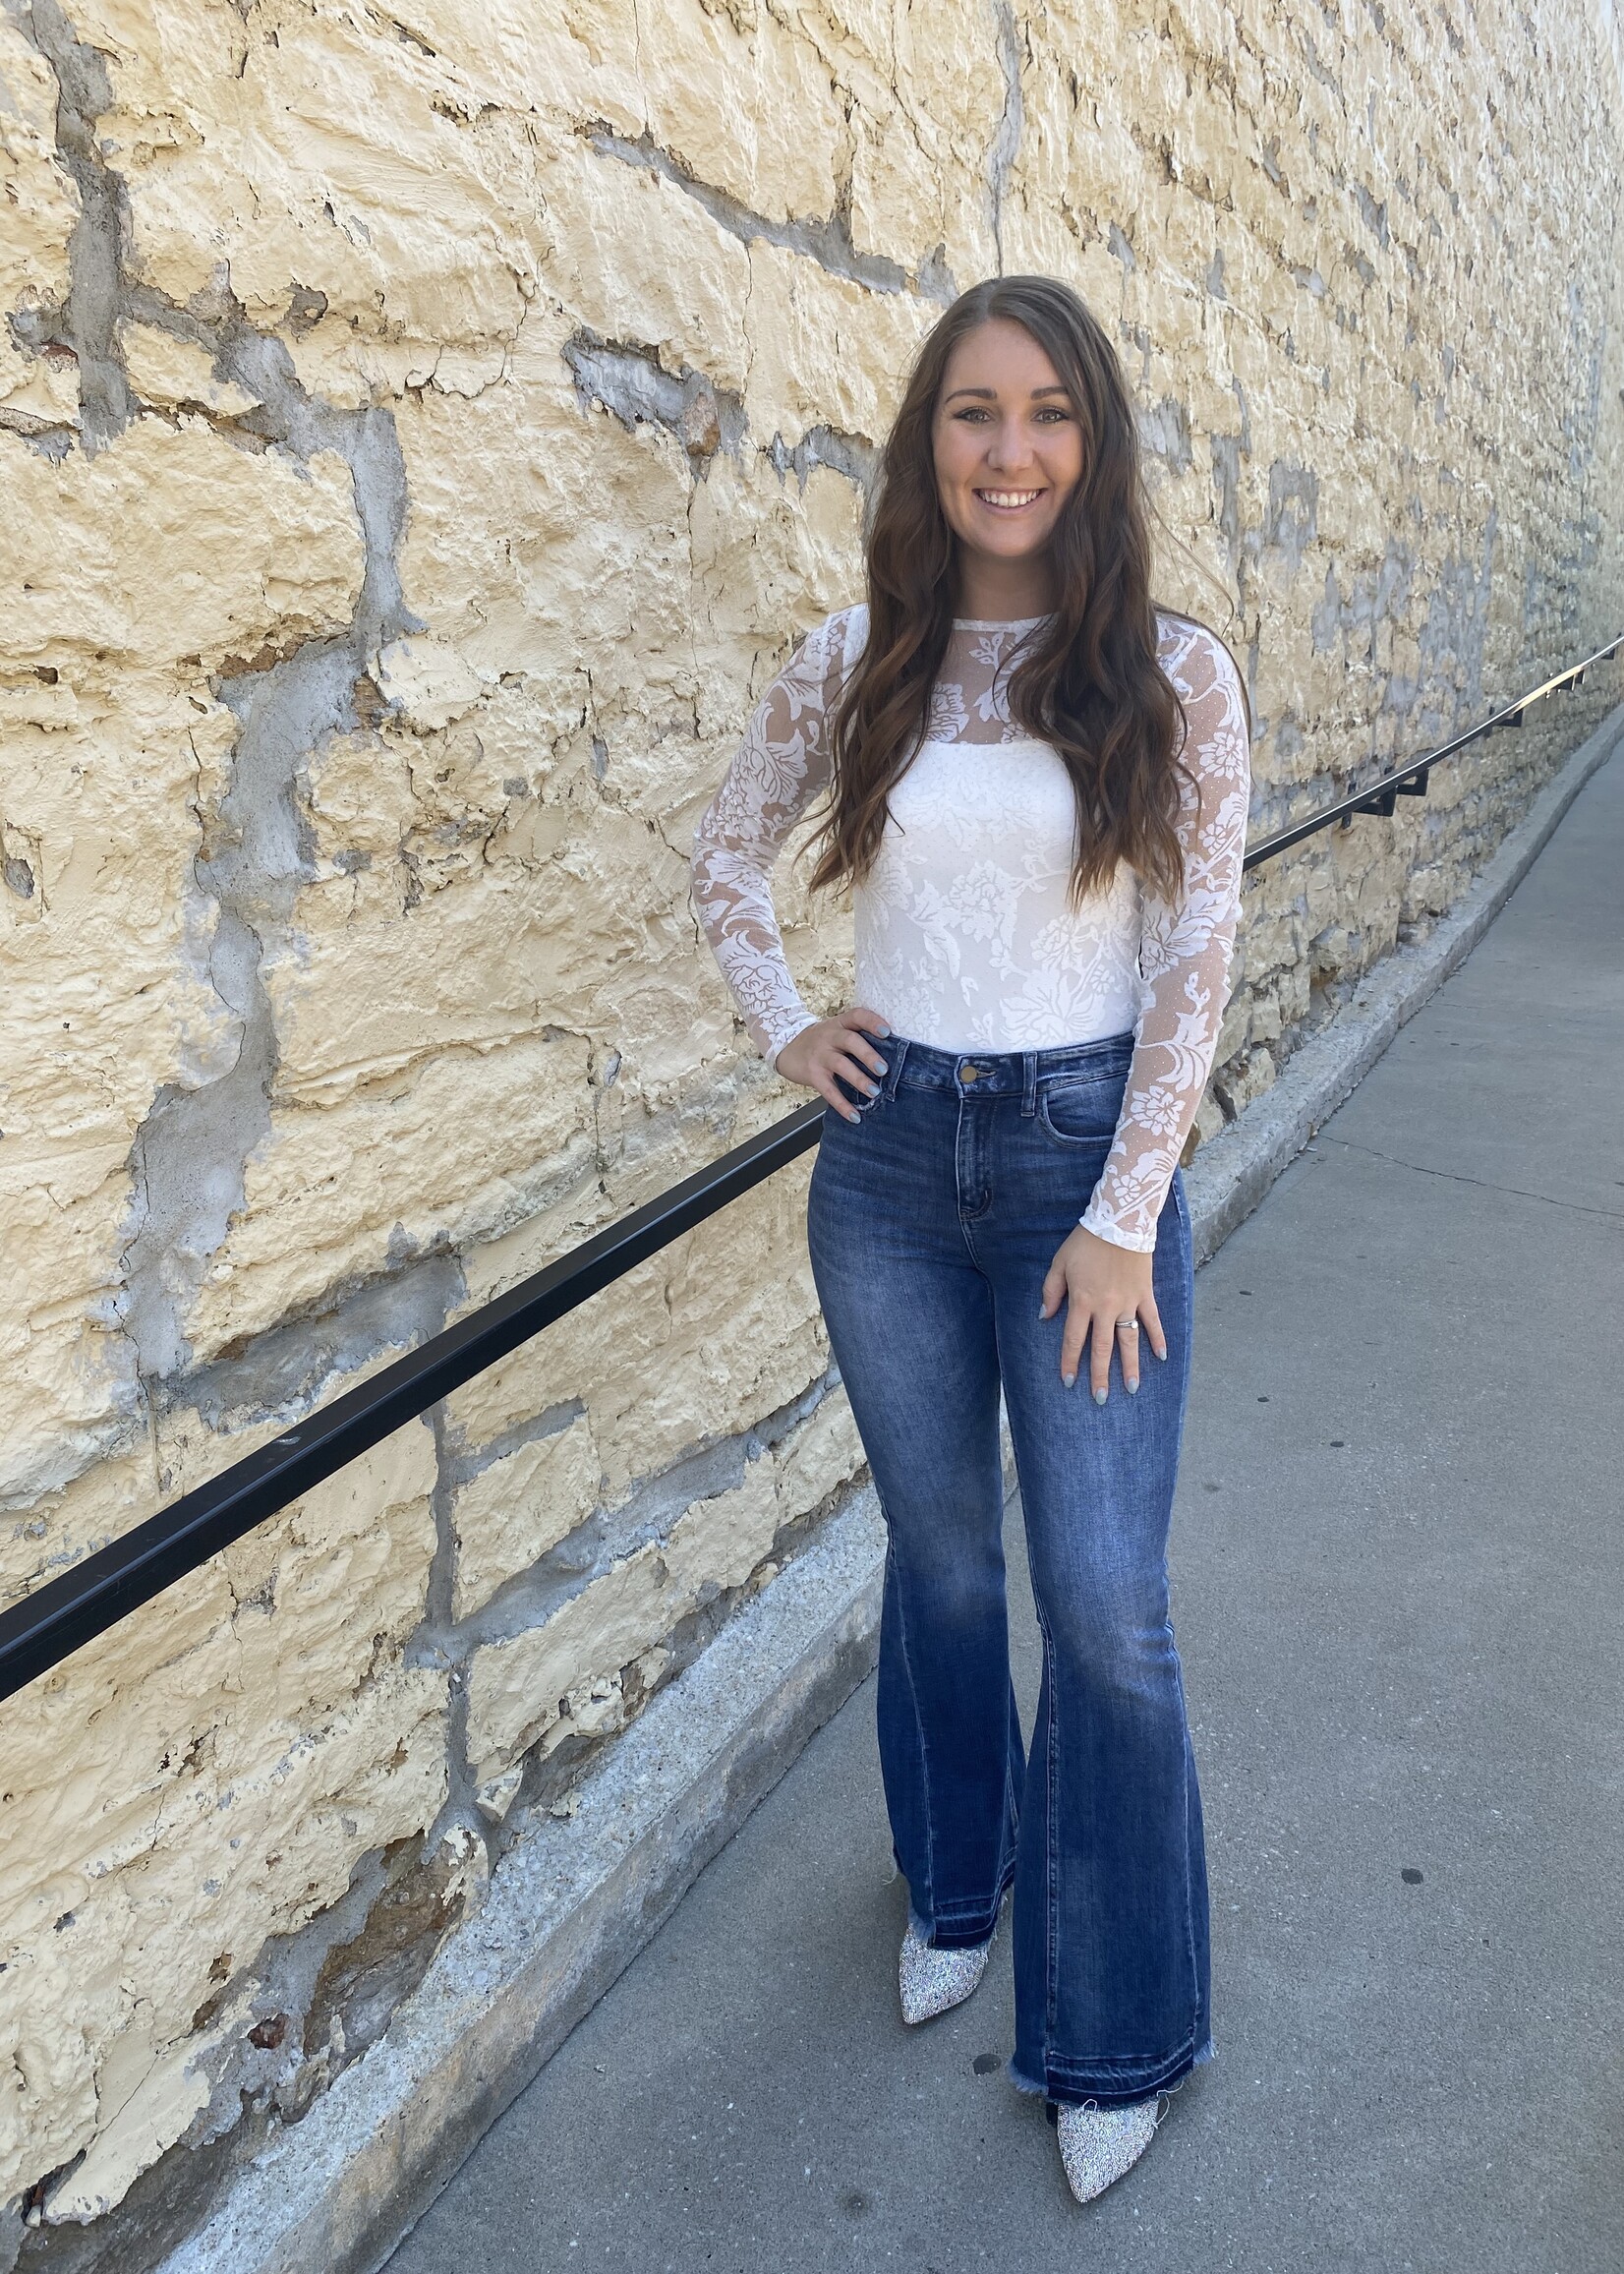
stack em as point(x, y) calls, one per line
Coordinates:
point(1127, 1327)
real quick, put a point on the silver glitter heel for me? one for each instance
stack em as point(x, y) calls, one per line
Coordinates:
point(1098, 2144)
point(933, 1981)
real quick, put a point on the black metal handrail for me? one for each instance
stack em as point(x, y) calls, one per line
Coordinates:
point(106, 1585)
point(1411, 781)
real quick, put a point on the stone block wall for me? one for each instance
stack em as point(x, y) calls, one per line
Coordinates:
point(424, 429)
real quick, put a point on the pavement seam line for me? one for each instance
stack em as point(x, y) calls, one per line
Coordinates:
point(1479, 1183)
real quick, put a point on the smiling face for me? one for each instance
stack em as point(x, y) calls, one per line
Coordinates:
point(1008, 446)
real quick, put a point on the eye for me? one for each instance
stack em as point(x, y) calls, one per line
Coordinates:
point(1053, 414)
point(971, 411)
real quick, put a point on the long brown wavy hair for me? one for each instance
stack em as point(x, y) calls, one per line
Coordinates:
point(1092, 685)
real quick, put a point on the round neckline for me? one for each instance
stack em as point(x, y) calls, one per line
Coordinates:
point(999, 623)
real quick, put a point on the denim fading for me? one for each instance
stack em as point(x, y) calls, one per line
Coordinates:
point(932, 1222)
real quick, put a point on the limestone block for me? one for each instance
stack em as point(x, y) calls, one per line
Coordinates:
point(518, 1689)
point(348, 164)
point(42, 204)
point(357, 799)
point(36, 391)
point(173, 544)
point(898, 198)
point(805, 325)
point(236, 1746)
point(233, 1861)
point(345, 1571)
point(365, 996)
point(546, 538)
point(166, 59)
point(1237, 1082)
point(951, 78)
point(427, 680)
point(511, 1513)
point(722, 98)
point(719, 1542)
point(336, 1194)
point(822, 1455)
point(97, 816)
point(145, 2098)
point(643, 264)
point(339, 364)
point(168, 373)
point(523, 56)
point(48, 1532)
point(696, 1343)
point(772, 557)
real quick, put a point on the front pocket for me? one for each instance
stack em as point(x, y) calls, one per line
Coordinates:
point(1083, 1112)
point(856, 1097)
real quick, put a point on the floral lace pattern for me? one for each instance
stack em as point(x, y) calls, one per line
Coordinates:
point(965, 938)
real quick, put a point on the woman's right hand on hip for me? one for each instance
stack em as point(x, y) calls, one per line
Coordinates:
point(832, 1047)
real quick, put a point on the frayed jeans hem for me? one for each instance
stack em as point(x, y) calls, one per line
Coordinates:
point(962, 1926)
point(1066, 2083)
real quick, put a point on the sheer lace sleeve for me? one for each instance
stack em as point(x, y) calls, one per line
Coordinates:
point(1184, 954)
point(781, 766)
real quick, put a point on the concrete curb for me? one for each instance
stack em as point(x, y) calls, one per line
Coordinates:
point(572, 1902)
point(1231, 1175)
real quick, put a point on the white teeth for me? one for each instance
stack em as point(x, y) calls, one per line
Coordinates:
point(1007, 496)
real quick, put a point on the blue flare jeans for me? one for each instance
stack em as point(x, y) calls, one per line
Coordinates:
point(933, 1220)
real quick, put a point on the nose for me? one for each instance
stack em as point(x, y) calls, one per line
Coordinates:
point(1008, 447)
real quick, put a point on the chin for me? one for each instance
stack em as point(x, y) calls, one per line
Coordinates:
point(1014, 543)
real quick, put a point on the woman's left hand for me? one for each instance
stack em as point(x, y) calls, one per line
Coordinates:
point(1108, 1297)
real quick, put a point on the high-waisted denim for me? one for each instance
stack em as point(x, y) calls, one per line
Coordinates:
point(933, 1220)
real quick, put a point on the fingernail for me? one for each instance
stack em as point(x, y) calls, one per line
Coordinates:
point(1100, 1396)
point(1132, 1388)
point(1068, 1379)
point(885, 1030)
point(1043, 1310)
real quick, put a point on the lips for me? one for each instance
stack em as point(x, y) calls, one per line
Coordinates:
point(1009, 501)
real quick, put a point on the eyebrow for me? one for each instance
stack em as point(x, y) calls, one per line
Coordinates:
point(990, 394)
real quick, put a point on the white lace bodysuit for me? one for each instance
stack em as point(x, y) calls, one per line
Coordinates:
point(965, 938)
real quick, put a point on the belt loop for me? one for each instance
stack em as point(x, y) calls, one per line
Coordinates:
point(893, 1049)
point(1029, 1080)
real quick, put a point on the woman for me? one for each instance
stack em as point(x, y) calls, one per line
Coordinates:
point(1037, 786)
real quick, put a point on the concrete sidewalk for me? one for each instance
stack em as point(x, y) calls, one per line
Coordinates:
point(1399, 1565)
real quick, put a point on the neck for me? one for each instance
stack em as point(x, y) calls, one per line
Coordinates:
point(997, 591)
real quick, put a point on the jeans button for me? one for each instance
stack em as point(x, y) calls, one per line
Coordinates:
point(968, 1073)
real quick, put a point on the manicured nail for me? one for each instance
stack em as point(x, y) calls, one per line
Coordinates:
point(1132, 1388)
point(1069, 1379)
point(1100, 1396)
